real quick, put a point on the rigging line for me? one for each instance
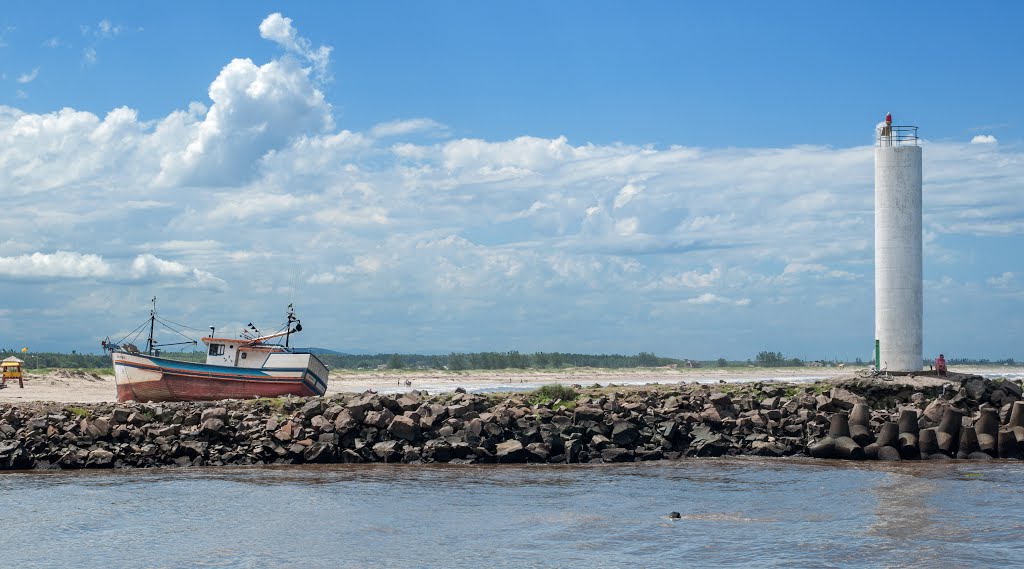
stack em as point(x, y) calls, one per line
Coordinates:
point(137, 329)
point(178, 332)
point(181, 325)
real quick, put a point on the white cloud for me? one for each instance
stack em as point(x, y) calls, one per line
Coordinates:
point(255, 109)
point(984, 139)
point(561, 244)
point(279, 29)
point(711, 298)
point(62, 264)
point(1004, 280)
point(89, 56)
point(106, 28)
point(52, 43)
point(149, 267)
point(626, 194)
point(29, 76)
point(407, 126)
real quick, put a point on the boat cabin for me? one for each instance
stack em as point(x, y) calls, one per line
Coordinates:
point(236, 352)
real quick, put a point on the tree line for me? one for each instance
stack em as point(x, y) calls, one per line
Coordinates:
point(460, 361)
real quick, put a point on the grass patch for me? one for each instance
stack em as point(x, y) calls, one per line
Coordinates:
point(546, 394)
point(79, 411)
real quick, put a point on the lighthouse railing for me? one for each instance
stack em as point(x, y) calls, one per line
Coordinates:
point(897, 136)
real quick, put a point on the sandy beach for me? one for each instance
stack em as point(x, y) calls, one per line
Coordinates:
point(74, 386)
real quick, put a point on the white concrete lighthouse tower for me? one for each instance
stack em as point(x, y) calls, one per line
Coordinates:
point(899, 303)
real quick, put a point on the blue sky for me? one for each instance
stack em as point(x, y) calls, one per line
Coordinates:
point(690, 179)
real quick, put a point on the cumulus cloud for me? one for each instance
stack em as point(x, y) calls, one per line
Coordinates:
point(279, 29)
point(255, 109)
point(149, 267)
point(984, 139)
point(1002, 281)
point(555, 240)
point(626, 194)
point(29, 76)
point(407, 126)
point(62, 264)
point(711, 298)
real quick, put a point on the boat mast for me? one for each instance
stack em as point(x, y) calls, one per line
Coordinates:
point(152, 322)
point(288, 326)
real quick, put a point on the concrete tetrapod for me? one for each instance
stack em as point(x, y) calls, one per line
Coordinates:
point(968, 443)
point(948, 433)
point(860, 416)
point(908, 435)
point(1008, 445)
point(838, 443)
point(886, 445)
point(927, 443)
point(1016, 415)
point(987, 428)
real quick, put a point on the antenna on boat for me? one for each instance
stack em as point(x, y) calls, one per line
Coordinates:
point(212, 330)
point(152, 323)
point(288, 326)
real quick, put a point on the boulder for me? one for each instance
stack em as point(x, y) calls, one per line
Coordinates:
point(975, 388)
point(312, 408)
point(510, 451)
point(403, 427)
point(616, 454)
point(388, 451)
point(214, 413)
point(99, 458)
point(318, 452)
point(213, 428)
point(379, 419)
point(624, 434)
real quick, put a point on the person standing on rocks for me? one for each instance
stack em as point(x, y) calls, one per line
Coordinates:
point(940, 365)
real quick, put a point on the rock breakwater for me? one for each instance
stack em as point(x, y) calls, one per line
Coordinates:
point(855, 418)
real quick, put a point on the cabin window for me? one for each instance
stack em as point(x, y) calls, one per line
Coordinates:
point(216, 349)
point(244, 354)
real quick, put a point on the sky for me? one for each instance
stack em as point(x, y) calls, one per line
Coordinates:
point(690, 179)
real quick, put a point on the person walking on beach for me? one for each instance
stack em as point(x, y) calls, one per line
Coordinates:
point(940, 365)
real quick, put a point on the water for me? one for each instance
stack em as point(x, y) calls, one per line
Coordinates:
point(735, 512)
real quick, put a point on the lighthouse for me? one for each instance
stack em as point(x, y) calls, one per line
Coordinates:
point(899, 304)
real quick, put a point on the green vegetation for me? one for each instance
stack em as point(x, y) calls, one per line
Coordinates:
point(79, 411)
point(547, 394)
point(513, 359)
point(776, 359)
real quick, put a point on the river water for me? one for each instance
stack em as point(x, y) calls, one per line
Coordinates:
point(735, 512)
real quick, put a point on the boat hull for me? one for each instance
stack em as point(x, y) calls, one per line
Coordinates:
point(144, 378)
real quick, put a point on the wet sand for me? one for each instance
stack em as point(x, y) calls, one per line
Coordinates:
point(73, 386)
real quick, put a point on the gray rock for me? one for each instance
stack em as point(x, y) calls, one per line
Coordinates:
point(311, 408)
point(975, 388)
point(510, 451)
point(214, 413)
point(212, 427)
point(624, 434)
point(318, 452)
point(616, 454)
point(388, 451)
point(403, 427)
point(379, 419)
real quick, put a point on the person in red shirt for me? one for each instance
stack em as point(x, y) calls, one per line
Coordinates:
point(940, 365)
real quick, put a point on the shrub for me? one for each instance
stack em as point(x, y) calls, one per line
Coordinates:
point(556, 391)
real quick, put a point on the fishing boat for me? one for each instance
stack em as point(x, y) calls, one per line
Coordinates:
point(246, 367)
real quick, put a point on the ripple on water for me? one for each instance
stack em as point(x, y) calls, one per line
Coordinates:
point(736, 512)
